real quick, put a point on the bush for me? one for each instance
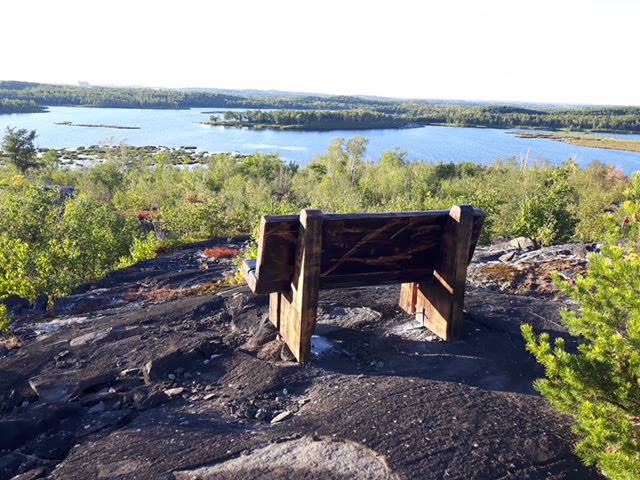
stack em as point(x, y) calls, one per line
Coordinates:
point(132, 205)
point(599, 385)
point(5, 320)
point(546, 215)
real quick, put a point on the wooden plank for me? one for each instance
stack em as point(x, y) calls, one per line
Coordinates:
point(276, 252)
point(478, 222)
point(299, 305)
point(440, 299)
point(408, 297)
point(375, 278)
point(277, 247)
point(381, 244)
point(275, 308)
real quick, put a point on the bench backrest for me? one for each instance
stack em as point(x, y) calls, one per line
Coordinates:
point(360, 249)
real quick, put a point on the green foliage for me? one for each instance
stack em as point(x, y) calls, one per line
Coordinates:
point(624, 223)
point(5, 320)
point(138, 202)
point(19, 150)
point(143, 248)
point(49, 244)
point(546, 214)
point(357, 119)
point(8, 105)
point(599, 385)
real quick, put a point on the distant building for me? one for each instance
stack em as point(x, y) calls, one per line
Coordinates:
point(83, 84)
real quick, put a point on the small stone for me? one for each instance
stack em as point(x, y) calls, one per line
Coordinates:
point(303, 401)
point(62, 355)
point(209, 396)
point(130, 372)
point(281, 416)
point(522, 243)
point(153, 400)
point(172, 392)
point(507, 257)
point(171, 376)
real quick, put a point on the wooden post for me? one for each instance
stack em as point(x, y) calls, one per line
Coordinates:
point(438, 302)
point(294, 312)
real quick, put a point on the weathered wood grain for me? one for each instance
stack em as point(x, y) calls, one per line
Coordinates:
point(427, 252)
point(347, 259)
point(277, 248)
point(408, 297)
point(440, 298)
point(298, 307)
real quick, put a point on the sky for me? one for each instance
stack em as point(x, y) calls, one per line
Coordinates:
point(558, 51)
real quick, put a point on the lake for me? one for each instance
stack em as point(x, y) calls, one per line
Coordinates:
point(175, 128)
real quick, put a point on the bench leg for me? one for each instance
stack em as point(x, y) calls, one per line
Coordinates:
point(274, 309)
point(408, 297)
point(295, 311)
point(438, 302)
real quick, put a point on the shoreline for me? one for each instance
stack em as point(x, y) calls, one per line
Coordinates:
point(584, 140)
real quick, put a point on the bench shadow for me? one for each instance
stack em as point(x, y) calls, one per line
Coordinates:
point(487, 356)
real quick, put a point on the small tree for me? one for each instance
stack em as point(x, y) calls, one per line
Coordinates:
point(599, 384)
point(19, 150)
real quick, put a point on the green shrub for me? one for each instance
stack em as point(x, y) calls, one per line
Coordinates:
point(599, 385)
point(5, 320)
point(56, 242)
point(142, 248)
point(546, 215)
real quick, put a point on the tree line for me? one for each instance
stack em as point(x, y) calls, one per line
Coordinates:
point(384, 113)
point(9, 105)
point(357, 119)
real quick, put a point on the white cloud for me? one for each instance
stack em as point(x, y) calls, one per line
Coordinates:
point(569, 51)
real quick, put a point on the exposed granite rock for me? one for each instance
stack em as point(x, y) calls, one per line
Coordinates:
point(501, 267)
point(188, 387)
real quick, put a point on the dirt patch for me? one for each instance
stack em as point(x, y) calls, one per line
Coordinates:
point(217, 253)
point(167, 293)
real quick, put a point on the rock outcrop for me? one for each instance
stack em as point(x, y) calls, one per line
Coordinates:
point(159, 372)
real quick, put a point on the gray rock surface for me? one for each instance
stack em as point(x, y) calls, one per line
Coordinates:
point(388, 400)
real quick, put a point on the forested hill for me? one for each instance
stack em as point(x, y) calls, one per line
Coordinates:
point(124, 97)
point(383, 113)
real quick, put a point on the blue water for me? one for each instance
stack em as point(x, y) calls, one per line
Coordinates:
point(174, 128)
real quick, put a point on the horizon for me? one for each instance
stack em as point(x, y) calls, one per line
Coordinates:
point(496, 51)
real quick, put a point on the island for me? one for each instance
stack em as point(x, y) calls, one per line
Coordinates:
point(317, 120)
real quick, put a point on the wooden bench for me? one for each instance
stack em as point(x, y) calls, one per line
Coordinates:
point(427, 252)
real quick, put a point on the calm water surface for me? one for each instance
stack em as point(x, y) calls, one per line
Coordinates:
point(175, 128)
